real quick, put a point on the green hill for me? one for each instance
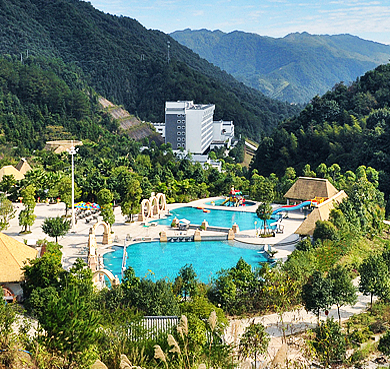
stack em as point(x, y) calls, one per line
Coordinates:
point(294, 68)
point(348, 126)
point(128, 65)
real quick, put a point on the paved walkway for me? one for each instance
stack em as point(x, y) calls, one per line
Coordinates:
point(75, 246)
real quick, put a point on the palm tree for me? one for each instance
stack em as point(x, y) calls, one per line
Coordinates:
point(264, 212)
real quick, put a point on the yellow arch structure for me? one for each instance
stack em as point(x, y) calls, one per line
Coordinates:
point(162, 202)
point(92, 243)
point(98, 276)
point(146, 210)
point(155, 205)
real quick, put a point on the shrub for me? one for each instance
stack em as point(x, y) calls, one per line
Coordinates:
point(329, 343)
point(378, 326)
point(304, 245)
point(360, 336)
point(384, 343)
point(325, 230)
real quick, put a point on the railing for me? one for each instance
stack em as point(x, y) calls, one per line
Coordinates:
point(153, 326)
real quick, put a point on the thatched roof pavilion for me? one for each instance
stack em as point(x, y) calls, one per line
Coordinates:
point(321, 212)
point(10, 170)
point(13, 256)
point(307, 188)
point(23, 167)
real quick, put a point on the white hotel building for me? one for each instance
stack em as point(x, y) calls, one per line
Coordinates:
point(189, 126)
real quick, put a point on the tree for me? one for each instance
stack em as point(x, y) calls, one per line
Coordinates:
point(262, 189)
point(55, 227)
point(65, 192)
point(281, 292)
point(7, 183)
point(71, 326)
point(343, 291)
point(374, 277)
point(42, 272)
point(131, 202)
point(187, 280)
point(317, 293)
point(105, 199)
point(325, 230)
point(7, 318)
point(7, 212)
point(26, 216)
point(254, 341)
point(264, 212)
point(329, 343)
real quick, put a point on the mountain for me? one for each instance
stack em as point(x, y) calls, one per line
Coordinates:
point(128, 65)
point(294, 68)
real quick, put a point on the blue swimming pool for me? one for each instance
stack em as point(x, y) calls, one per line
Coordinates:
point(157, 260)
point(215, 218)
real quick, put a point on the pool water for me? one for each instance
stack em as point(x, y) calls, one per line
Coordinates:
point(157, 260)
point(216, 218)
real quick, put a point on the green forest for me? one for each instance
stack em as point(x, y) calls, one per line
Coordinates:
point(128, 64)
point(345, 128)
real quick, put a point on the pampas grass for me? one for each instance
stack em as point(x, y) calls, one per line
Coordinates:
point(159, 354)
point(173, 342)
point(212, 320)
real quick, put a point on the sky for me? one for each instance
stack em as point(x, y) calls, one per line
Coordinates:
point(369, 20)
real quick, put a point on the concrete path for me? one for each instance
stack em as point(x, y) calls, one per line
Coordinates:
point(75, 246)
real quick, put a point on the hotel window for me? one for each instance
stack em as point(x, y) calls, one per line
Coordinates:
point(179, 145)
point(178, 121)
point(179, 139)
point(179, 133)
point(178, 127)
point(183, 127)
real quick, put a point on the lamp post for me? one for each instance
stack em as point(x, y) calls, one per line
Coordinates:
point(255, 227)
point(73, 151)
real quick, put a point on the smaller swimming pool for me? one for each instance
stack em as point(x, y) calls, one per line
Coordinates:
point(156, 260)
point(220, 202)
point(216, 218)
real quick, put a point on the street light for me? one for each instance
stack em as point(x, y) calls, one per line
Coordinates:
point(73, 151)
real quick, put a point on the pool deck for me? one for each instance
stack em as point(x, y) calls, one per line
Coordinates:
point(75, 245)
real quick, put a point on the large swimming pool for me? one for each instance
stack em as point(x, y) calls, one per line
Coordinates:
point(157, 260)
point(215, 218)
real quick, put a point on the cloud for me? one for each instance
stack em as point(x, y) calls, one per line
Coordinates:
point(198, 13)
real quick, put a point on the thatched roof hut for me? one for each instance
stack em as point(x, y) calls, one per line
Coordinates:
point(8, 170)
point(321, 212)
point(306, 188)
point(61, 145)
point(13, 256)
point(23, 167)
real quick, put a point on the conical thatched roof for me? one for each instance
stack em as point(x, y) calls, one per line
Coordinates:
point(8, 170)
point(23, 167)
point(321, 212)
point(13, 256)
point(306, 188)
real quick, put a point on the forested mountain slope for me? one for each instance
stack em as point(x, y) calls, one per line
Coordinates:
point(294, 68)
point(348, 126)
point(128, 64)
point(46, 99)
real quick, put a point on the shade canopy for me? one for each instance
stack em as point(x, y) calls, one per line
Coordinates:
point(184, 221)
